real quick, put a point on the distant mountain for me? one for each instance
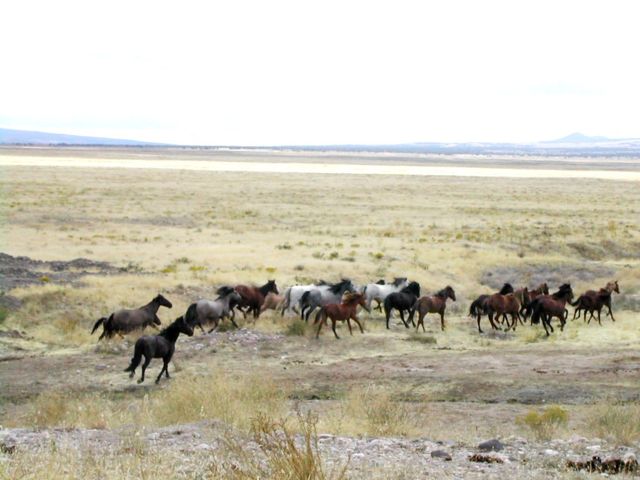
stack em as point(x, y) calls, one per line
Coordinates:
point(25, 137)
point(580, 138)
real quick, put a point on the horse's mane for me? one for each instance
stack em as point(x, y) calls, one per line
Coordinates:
point(506, 288)
point(336, 287)
point(443, 293)
point(224, 291)
point(171, 327)
point(413, 288)
point(564, 288)
point(381, 282)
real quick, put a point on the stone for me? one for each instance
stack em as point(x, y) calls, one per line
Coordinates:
point(493, 445)
point(441, 454)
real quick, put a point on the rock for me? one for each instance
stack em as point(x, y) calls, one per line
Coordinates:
point(492, 458)
point(551, 452)
point(493, 445)
point(441, 454)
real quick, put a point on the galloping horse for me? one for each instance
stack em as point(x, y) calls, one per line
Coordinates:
point(402, 301)
point(323, 295)
point(207, 311)
point(158, 346)
point(432, 304)
point(253, 297)
point(341, 311)
point(124, 321)
point(379, 291)
point(293, 294)
point(504, 305)
point(272, 301)
point(546, 307)
point(531, 294)
point(480, 306)
point(592, 301)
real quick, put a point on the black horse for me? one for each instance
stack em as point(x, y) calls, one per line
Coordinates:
point(404, 300)
point(158, 346)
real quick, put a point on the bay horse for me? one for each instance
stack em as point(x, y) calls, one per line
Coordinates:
point(253, 297)
point(480, 306)
point(545, 307)
point(404, 300)
point(378, 291)
point(211, 312)
point(592, 301)
point(124, 321)
point(432, 304)
point(162, 346)
point(504, 305)
point(532, 294)
point(346, 310)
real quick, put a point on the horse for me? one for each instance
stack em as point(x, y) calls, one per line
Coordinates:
point(272, 301)
point(123, 321)
point(480, 306)
point(346, 310)
point(592, 301)
point(379, 291)
point(253, 297)
point(323, 295)
point(545, 307)
point(404, 300)
point(158, 346)
point(504, 305)
point(532, 294)
point(292, 295)
point(432, 304)
point(207, 311)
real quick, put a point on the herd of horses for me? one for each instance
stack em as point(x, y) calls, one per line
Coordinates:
point(340, 301)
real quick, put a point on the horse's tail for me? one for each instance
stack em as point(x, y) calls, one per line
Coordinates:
point(303, 299)
point(473, 308)
point(535, 315)
point(191, 316)
point(286, 302)
point(135, 360)
point(97, 324)
point(577, 302)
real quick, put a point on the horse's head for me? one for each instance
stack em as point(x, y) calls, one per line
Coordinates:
point(272, 287)
point(157, 321)
point(412, 289)
point(450, 292)
point(506, 288)
point(224, 291)
point(613, 286)
point(381, 282)
point(544, 288)
point(183, 326)
point(400, 282)
point(160, 300)
point(351, 298)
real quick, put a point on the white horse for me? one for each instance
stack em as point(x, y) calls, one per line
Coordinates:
point(293, 294)
point(378, 292)
point(323, 295)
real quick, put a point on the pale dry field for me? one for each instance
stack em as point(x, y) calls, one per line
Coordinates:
point(185, 232)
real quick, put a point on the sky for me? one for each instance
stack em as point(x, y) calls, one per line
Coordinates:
point(300, 72)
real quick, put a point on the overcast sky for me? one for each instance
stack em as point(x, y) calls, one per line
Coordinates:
point(299, 72)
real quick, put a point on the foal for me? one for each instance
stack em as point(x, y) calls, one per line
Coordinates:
point(158, 346)
point(341, 311)
point(432, 304)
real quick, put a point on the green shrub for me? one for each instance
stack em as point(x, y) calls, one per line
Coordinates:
point(544, 425)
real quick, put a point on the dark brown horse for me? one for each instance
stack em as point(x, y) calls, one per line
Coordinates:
point(341, 311)
point(592, 301)
point(528, 295)
point(545, 307)
point(253, 297)
point(480, 306)
point(124, 321)
point(504, 305)
point(432, 304)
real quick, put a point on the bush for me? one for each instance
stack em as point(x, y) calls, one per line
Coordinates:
point(378, 413)
point(297, 328)
point(618, 422)
point(544, 425)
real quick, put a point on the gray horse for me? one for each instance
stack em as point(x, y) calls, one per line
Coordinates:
point(124, 321)
point(207, 311)
point(323, 295)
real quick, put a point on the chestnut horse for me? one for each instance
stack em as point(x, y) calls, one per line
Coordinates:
point(529, 296)
point(341, 311)
point(272, 301)
point(253, 297)
point(432, 304)
point(592, 301)
point(545, 307)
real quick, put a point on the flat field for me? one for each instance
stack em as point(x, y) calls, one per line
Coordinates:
point(380, 402)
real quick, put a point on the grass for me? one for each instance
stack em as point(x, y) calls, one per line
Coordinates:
point(546, 423)
point(620, 423)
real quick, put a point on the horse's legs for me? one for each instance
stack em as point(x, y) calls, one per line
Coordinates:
point(402, 318)
point(333, 327)
point(441, 321)
point(611, 313)
point(421, 321)
point(320, 323)
point(309, 312)
point(349, 325)
point(479, 329)
point(164, 368)
point(387, 314)
point(493, 325)
point(599, 322)
point(355, 319)
point(147, 361)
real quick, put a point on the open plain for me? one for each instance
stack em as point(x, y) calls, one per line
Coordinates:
point(375, 404)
